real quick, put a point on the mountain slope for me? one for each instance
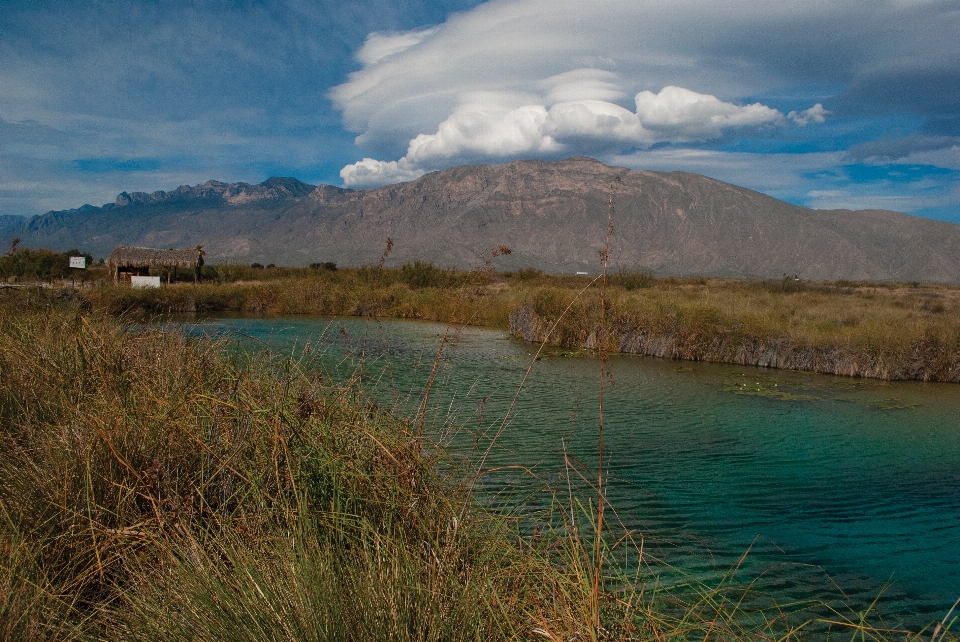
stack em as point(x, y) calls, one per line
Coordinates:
point(551, 214)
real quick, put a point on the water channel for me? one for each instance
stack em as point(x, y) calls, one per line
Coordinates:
point(835, 485)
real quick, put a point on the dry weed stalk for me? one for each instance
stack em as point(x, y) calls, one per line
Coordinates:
point(602, 345)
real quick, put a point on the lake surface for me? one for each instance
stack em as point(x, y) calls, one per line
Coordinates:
point(828, 481)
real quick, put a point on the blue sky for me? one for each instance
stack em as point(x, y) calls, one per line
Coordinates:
point(824, 103)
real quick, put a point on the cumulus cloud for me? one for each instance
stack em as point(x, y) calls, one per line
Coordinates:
point(816, 114)
point(687, 115)
point(370, 171)
point(492, 129)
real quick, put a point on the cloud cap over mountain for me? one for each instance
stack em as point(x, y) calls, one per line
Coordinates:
point(819, 103)
point(552, 77)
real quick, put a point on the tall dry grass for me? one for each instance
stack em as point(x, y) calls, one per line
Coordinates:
point(152, 486)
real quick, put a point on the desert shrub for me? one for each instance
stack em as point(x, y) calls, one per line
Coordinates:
point(632, 280)
point(528, 274)
point(424, 274)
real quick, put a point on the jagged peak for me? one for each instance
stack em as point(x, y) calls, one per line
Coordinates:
point(274, 188)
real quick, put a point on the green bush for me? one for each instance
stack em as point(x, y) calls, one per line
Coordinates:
point(40, 264)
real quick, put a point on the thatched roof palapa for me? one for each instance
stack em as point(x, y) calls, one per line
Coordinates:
point(143, 257)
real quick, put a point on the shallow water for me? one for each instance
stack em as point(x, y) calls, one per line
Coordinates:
point(828, 481)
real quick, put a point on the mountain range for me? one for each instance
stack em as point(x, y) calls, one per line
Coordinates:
point(553, 216)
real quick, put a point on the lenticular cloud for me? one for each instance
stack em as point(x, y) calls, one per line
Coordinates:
point(494, 127)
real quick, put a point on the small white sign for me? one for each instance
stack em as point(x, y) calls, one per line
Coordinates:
point(145, 281)
point(78, 262)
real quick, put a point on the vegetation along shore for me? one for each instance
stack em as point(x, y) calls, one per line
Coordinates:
point(889, 331)
point(160, 486)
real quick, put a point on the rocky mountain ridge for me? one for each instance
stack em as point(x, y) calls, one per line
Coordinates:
point(231, 193)
point(552, 215)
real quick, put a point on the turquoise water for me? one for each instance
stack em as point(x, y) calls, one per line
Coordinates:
point(828, 481)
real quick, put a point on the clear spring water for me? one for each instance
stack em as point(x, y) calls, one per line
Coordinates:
point(830, 482)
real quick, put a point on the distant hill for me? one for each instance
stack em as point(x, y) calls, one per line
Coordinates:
point(551, 214)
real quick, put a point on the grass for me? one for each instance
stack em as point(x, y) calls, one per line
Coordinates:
point(152, 486)
point(877, 330)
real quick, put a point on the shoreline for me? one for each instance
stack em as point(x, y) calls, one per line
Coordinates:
point(884, 331)
point(782, 353)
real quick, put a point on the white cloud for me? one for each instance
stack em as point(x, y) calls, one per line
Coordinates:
point(370, 171)
point(687, 115)
point(466, 130)
point(598, 120)
point(490, 127)
point(948, 158)
point(583, 84)
point(784, 176)
point(850, 199)
point(550, 77)
point(380, 46)
point(816, 114)
point(609, 50)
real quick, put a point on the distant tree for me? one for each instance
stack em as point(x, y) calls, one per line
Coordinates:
point(271, 265)
point(330, 266)
point(257, 266)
